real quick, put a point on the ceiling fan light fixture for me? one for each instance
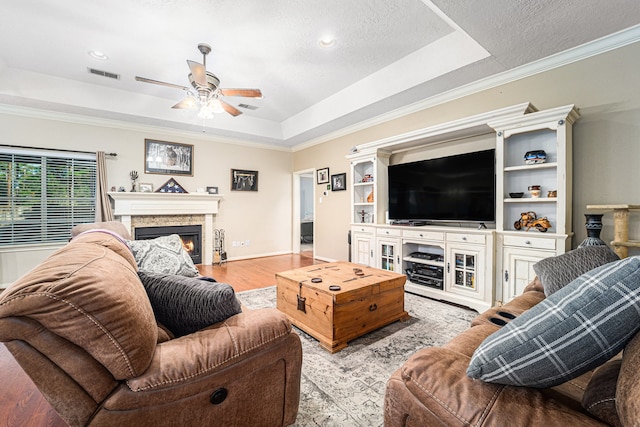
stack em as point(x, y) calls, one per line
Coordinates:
point(216, 106)
point(96, 54)
point(206, 112)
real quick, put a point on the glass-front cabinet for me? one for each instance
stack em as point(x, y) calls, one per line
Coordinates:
point(389, 255)
point(389, 249)
point(465, 269)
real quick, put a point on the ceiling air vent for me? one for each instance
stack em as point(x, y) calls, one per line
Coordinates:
point(104, 73)
point(248, 107)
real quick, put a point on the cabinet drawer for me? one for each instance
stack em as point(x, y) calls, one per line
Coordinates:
point(389, 232)
point(530, 242)
point(479, 239)
point(422, 234)
point(362, 229)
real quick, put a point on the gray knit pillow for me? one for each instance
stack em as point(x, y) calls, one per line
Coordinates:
point(185, 304)
point(163, 254)
point(557, 272)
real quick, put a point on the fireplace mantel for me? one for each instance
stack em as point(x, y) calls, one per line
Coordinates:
point(164, 203)
point(128, 205)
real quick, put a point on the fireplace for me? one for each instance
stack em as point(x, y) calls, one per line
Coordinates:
point(191, 236)
point(141, 210)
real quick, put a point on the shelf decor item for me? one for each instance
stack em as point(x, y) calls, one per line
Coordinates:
point(534, 190)
point(530, 220)
point(593, 225)
point(370, 197)
point(134, 177)
point(171, 186)
point(535, 157)
point(144, 187)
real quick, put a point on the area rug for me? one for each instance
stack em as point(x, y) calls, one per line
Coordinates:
point(347, 388)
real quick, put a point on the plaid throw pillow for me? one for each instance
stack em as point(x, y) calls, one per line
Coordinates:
point(574, 330)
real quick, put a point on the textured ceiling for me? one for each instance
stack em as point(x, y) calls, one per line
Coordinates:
point(388, 54)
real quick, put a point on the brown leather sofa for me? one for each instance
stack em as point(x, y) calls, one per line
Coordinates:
point(432, 387)
point(81, 326)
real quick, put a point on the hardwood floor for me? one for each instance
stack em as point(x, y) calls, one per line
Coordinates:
point(22, 405)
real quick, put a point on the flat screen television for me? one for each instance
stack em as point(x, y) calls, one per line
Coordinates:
point(458, 188)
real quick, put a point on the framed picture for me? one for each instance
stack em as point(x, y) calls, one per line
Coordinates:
point(322, 175)
point(338, 182)
point(168, 158)
point(212, 190)
point(244, 180)
point(144, 187)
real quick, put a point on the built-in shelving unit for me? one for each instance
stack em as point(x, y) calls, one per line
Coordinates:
point(478, 268)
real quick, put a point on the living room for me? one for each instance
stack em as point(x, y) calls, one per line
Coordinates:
point(602, 82)
point(602, 86)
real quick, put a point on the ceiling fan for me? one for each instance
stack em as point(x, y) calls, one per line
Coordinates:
point(205, 92)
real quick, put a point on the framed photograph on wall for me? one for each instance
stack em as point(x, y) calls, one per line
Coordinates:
point(244, 180)
point(339, 182)
point(322, 176)
point(168, 158)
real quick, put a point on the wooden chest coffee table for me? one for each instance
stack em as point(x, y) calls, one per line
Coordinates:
point(368, 299)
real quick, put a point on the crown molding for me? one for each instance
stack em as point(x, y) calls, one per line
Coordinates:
point(37, 113)
point(605, 44)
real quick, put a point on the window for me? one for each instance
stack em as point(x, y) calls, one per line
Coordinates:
point(43, 194)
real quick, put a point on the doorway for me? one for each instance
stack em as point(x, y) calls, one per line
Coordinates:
point(303, 213)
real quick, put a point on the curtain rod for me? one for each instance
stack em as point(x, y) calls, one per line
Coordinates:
point(59, 149)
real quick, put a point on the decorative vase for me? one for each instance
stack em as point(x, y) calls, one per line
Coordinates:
point(594, 227)
point(370, 197)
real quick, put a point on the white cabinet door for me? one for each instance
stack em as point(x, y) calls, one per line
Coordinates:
point(389, 256)
point(465, 270)
point(518, 270)
point(362, 248)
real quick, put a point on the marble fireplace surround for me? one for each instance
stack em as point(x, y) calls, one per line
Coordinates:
point(168, 209)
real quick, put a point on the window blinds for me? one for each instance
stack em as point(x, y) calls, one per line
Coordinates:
point(43, 194)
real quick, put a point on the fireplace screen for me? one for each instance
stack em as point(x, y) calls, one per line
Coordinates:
point(191, 236)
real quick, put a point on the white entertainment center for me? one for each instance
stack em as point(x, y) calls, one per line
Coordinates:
point(462, 262)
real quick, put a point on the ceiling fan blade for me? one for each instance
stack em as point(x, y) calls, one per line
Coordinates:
point(157, 82)
point(230, 109)
point(187, 102)
point(198, 72)
point(247, 93)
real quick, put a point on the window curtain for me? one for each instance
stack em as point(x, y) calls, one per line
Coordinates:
point(103, 205)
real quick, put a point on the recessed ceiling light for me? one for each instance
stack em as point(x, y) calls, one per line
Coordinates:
point(98, 55)
point(327, 42)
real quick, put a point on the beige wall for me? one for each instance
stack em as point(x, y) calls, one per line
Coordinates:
point(262, 217)
point(606, 89)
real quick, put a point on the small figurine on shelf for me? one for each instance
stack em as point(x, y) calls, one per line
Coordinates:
point(529, 219)
point(362, 215)
point(535, 157)
point(134, 178)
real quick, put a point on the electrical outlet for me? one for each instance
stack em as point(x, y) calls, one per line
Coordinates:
point(234, 244)
point(247, 242)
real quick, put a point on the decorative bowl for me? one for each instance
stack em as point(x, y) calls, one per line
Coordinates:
point(516, 195)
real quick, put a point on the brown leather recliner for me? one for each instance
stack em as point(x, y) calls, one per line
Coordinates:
point(432, 387)
point(81, 326)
